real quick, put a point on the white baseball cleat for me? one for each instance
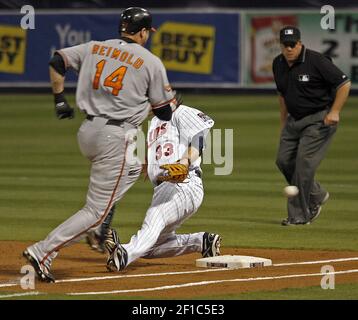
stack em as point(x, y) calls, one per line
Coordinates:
point(41, 270)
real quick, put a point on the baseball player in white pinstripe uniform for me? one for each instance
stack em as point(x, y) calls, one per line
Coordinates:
point(119, 80)
point(180, 140)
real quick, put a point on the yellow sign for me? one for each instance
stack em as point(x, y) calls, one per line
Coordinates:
point(185, 47)
point(12, 49)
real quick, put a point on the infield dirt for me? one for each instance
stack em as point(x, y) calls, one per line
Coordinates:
point(79, 261)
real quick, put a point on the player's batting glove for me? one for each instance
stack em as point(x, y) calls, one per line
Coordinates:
point(176, 172)
point(62, 108)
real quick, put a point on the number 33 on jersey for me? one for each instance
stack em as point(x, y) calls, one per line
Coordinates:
point(168, 140)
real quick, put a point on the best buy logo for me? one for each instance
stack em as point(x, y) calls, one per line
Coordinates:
point(185, 47)
point(12, 49)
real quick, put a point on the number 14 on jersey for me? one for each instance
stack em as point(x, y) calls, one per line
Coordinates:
point(114, 80)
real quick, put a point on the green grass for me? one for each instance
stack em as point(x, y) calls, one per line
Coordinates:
point(43, 181)
point(43, 177)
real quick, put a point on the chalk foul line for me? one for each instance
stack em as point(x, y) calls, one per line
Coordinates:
point(17, 283)
point(190, 284)
point(202, 283)
point(23, 294)
point(315, 262)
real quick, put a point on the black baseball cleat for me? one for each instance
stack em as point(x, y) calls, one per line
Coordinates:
point(316, 210)
point(111, 240)
point(42, 271)
point(290, 222)
point(211, 245)
point(118, 256)
point(117, 261)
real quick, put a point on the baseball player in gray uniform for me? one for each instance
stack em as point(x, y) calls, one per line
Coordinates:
point(119, 82)
point(179, 141)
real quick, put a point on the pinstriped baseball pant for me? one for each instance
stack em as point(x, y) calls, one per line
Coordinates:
point(171, 205)
point(105, 146)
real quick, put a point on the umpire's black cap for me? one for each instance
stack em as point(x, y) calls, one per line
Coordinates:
point(134, 19)
point(290, 34)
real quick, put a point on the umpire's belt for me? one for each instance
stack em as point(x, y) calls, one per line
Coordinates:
point(110, 122)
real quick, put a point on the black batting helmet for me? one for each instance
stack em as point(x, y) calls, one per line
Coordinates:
point(134, 19)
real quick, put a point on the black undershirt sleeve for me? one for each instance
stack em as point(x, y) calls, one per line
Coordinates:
point(58, 64)
point(164, 113)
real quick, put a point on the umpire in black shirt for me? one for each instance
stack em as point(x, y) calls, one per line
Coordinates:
point(312, 92)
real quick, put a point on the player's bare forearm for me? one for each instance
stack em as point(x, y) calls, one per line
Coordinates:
point(57, 81)
point(190, 155)
point(283, 112)
point(341, 97)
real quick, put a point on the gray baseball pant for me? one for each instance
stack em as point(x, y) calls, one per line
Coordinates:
point(106, 146)
point(303, 145)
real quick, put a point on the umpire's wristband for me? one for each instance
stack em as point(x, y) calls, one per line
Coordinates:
point(59, 97)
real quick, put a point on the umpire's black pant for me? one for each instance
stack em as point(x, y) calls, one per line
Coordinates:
point(303, 145)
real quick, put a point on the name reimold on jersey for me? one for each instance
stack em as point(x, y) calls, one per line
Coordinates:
point(168, 140)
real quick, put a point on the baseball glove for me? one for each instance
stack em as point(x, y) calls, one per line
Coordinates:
point(177, 172)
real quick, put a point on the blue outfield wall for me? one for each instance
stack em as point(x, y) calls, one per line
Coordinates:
point(198, 49)
point(208, 49)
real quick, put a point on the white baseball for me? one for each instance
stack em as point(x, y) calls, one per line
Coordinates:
point(290, 191)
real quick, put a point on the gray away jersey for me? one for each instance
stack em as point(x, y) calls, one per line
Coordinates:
point(118, 80)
